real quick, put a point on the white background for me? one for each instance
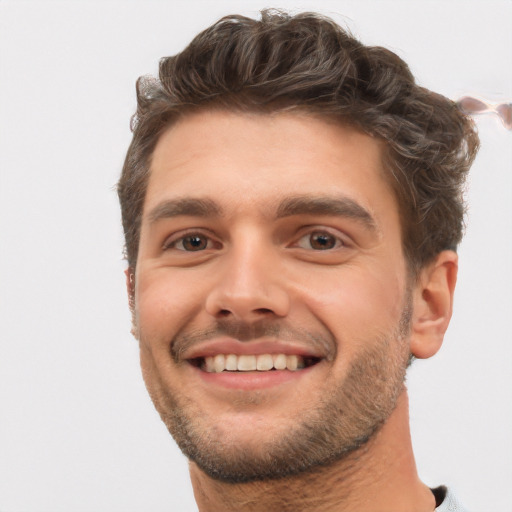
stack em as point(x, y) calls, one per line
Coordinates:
point(77, 431)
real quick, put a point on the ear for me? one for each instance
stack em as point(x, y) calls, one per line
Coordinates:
point(130, 290)
point(433, 303)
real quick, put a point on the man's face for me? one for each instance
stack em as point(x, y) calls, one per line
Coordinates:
point(272, 303)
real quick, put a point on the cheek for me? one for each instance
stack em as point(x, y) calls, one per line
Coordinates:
point(357, 303)
point(165, 302)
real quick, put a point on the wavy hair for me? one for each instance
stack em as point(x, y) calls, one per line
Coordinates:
point(309, 63)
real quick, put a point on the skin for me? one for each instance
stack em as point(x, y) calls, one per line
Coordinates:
point(258, 265)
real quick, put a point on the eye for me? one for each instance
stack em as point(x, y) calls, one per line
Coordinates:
point(320, 241)
point(192, 242)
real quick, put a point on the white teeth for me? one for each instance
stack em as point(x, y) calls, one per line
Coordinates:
point(249, 363)
point(246, 363)
point(291, 363)
point(219, 363)
point(264, 362)
point(280, 362)
point(208, 364)
point(231, 362)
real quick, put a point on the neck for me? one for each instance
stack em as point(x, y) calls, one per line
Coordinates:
point(379, 477)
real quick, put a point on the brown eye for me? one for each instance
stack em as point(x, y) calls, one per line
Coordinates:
point(322, 241)
point(319, 241)
point(194, 243)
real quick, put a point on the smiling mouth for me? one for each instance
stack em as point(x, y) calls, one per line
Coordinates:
point(250, 363)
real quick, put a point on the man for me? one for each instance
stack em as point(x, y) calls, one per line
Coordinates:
point(291, 203)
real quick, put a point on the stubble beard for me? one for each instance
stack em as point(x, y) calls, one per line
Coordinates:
point(343, 421)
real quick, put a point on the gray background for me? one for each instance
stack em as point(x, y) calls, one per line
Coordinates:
point(77, 431)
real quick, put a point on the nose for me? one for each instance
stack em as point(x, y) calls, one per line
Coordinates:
point(248, 286)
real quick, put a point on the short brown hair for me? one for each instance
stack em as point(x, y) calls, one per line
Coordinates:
point(307, 62)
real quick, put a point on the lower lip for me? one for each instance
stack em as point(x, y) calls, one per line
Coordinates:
point(252, 380)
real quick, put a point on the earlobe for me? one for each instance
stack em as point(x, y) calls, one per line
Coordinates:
point(433, 302)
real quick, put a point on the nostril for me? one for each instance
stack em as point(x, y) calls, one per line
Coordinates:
point(246, 301)
point(223, 313)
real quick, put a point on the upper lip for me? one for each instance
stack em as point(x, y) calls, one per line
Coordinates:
point(257, 347)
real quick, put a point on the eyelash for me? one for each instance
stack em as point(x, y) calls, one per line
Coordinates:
point(171, 243)
point(339, 241)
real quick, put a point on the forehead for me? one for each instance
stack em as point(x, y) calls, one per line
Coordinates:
point(254, 161)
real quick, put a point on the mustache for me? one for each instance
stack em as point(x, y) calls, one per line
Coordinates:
point(322, 343)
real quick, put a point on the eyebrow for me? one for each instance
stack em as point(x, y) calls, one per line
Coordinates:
point(334, 206)
point(187, 206)
point(298, 205)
